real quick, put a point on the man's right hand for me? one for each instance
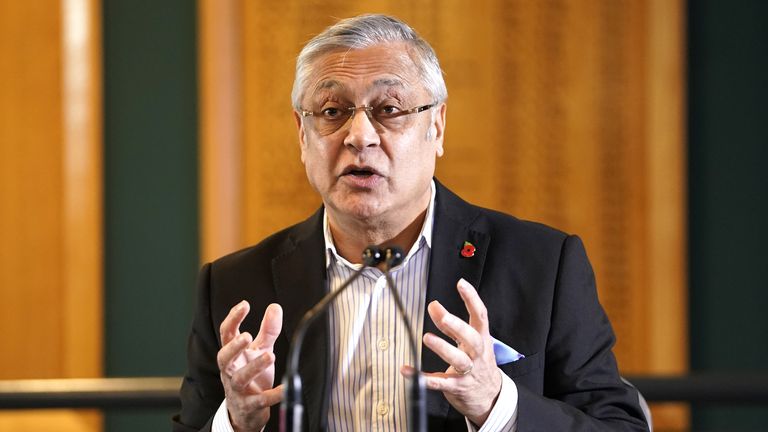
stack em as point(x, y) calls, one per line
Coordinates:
point(247, 367)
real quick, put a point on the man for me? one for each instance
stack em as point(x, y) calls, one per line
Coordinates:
point(528, 346)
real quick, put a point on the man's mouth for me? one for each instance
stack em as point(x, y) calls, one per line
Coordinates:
point(363, 172)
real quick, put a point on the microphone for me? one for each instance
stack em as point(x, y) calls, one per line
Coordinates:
point(417, 419)
point(292, 409)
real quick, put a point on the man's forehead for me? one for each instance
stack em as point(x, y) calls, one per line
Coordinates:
point(384, 66)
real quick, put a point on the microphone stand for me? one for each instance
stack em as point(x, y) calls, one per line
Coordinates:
point(292, 409)
point(417, 419)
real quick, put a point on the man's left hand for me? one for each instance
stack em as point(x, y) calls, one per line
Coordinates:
point(472, 382)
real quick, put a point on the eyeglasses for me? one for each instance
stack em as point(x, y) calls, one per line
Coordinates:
point(388, 117)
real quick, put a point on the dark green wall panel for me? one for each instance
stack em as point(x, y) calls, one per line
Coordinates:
point(728, 148)
point(150, 132)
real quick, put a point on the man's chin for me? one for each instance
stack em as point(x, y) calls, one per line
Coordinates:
point(362, 210)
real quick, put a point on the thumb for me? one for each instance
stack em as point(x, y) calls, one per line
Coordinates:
point(271, 325)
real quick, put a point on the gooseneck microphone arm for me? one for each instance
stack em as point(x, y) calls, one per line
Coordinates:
point(291, 409)
point(392, 258)
point(417, 420)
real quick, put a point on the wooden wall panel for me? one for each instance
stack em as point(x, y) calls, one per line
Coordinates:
point(30, 172)
point(50, 200)
point(567, 112)
point(666, 299)
point(220, 67)
point(273, 194)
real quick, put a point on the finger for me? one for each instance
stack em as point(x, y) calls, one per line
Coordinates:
point(478, 313)
point(243, 377)
point(230, 327)
point(231, 351)
point(266, 399)
point(437, 312)
point(452, 355)
point(434, 380)
point(271, 325)
point(407, 371)
point(440, 381)
point(455, 328)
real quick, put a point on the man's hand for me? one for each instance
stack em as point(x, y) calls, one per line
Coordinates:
point(473, 381)
point(247, 367)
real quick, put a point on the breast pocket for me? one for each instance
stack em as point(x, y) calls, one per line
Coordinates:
point(523, 366)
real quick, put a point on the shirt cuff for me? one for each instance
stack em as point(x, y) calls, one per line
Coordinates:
point(221, 419)
point(503, 416)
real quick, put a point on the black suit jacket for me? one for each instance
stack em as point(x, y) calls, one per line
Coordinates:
point(536, 282)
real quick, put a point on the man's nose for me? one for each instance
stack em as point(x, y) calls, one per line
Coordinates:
point(362, 131)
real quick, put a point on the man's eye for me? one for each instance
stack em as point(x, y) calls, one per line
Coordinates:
point(388, 110)
point(331, 113)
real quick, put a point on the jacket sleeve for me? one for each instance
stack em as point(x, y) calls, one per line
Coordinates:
point(201, 390)
point(582, 387)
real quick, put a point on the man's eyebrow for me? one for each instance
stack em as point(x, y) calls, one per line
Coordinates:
point(388, 82)
point(329, 84)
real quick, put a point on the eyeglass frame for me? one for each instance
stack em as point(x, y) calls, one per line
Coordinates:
point(368, 113)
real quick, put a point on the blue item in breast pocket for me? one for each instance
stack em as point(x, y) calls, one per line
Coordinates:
point(504, 353)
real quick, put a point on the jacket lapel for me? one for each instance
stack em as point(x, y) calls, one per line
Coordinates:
point(299, 278)
point(453, 225)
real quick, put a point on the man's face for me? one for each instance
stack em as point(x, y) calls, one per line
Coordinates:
point(366, 170)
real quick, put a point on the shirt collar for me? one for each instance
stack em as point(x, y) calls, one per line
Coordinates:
point(425, 235)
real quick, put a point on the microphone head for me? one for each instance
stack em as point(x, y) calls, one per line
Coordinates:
point(395, 257)
point(372, 256)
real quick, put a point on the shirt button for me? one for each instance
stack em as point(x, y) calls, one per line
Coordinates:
point(383, 344)
point(382, 409)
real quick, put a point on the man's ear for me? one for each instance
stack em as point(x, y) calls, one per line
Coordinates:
point(302, 134)
point(438, 128)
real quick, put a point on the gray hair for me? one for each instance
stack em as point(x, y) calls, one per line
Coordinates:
point(365, 31)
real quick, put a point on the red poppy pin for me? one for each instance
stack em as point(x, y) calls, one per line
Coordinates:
point(468, 251)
